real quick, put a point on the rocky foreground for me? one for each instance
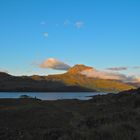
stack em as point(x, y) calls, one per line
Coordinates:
point(106, 117)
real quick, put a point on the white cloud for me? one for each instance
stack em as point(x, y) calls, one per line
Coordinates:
point(79, 24)
point(108, 75)
point(53, 63)
point(118, 68)
point(136, 67)
point(46, 34)
point(123, 68)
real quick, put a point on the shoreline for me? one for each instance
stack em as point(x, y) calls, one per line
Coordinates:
point(99, 118)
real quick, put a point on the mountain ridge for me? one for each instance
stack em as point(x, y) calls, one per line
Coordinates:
point(72, 80)
point(76, 69)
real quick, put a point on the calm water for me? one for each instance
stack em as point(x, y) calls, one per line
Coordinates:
point(52, 96)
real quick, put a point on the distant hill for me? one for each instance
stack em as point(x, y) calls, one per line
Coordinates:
point(72, 80)
point(132, 91)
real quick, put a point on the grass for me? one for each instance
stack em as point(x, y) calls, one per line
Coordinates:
point(107, 117)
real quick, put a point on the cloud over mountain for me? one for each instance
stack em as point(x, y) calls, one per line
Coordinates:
point(53, 63)
point(108, 75)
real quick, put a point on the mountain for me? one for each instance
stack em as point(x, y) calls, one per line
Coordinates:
point(72, 80)
point(78, 68)
point(74, 77)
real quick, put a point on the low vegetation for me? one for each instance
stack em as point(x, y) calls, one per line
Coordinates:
point(106, 117)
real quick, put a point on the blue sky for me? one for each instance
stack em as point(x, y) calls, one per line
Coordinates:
point(99, 33)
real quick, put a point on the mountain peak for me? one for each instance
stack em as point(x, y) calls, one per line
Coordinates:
point(78, 68)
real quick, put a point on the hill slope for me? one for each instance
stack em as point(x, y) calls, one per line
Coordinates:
point(72, 80)
point(73, 77)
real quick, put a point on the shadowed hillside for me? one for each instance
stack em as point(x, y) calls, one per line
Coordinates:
point(72, 80)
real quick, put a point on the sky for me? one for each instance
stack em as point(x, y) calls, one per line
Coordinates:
point(104, 34)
